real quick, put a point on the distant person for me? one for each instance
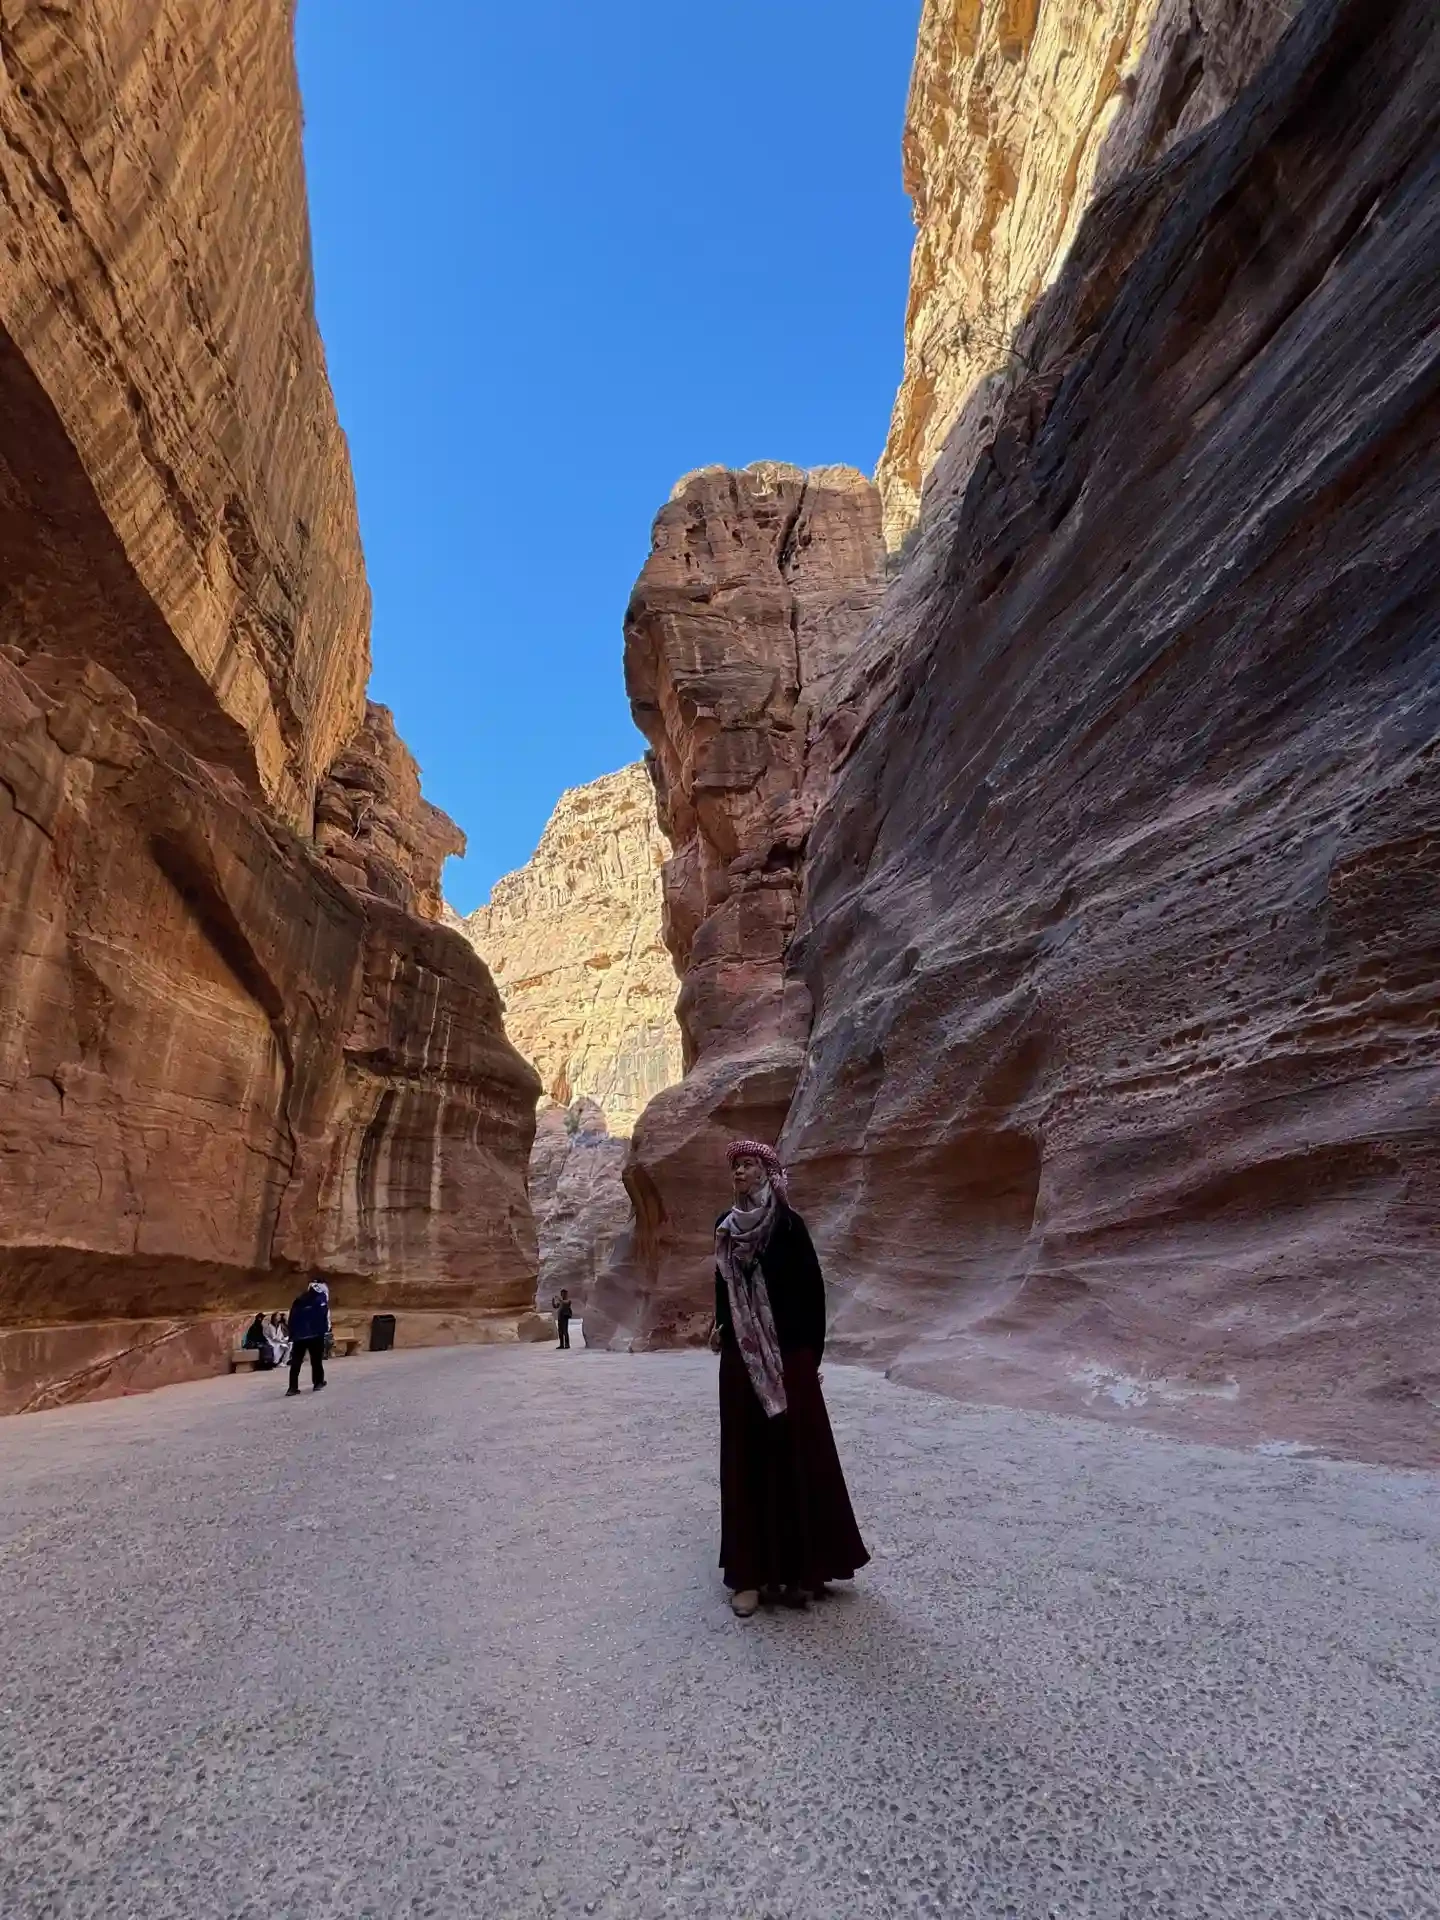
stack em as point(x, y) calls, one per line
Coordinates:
point(563, 1312)
point(309, 1329)
point(279, 1337)
point(257, 1340)
point(786, 1523)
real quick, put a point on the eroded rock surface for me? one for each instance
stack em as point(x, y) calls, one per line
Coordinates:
point(1120, 919)
point(757, 587)
point(221, 1065)
point(1124, 915)
point(579, 1199)
point(228, 1051)
point(377, 830)
point(573, 940)
point(1015, 112)
point(156, 285)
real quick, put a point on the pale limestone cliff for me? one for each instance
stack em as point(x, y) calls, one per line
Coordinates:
point(1011, 103)
point(578, 1197)
point(573, 940)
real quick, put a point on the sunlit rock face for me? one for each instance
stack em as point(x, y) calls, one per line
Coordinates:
point(1122, 916)
point(757, 588)
point(155, 283)
point(235, 1046)
point(376, 829)
point(573, 940)
point(579, 1199)
point(1016, 113)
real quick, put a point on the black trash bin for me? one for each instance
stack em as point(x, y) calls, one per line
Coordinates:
point(382, 1332)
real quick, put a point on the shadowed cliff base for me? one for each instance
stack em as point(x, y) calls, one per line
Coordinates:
point(1120, 918)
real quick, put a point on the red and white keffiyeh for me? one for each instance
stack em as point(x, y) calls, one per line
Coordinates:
point(768, 1158)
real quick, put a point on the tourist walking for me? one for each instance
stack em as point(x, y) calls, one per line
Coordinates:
point(563, 1314)
point(786, 1523)
point(309, 1328)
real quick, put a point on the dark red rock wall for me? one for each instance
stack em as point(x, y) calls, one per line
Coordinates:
point(1123, 919)
point(756, 591)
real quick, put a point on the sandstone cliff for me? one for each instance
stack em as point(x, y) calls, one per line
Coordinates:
point(579, 1199)
point(1014, 111)
point(1113, 979)
point(228, 1052)
point(1122, 922)
point(376, 829)
point(756, 590)
point(155, 285)
point(573, 941)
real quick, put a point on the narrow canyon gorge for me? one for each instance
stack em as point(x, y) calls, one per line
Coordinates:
point(236, 1043)
point(1038, 840)
point(573, 940)
point(1055, 866)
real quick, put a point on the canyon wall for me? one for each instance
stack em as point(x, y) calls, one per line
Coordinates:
point(578, 1195)
point(155, 282)
point(1123, 915)
point(756, 590)
point(573, 941)
point(1016, 113)
point(1102, 1012)
point(235, 1045)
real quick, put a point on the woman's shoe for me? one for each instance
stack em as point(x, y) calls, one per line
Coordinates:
point(795, 1597)
point(744, 1603)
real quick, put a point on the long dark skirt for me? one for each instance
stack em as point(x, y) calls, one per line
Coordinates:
point(785, 1514)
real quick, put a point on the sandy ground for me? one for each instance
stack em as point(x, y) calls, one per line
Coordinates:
point(448, 1640)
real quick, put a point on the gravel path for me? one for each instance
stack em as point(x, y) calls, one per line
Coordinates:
point(448, 1640)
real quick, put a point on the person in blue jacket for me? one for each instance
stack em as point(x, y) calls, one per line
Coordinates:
point(309, 1326)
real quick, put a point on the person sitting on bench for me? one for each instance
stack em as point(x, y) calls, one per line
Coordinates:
point(257, 1337)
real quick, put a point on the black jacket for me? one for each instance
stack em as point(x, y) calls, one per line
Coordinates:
point(310, 1316)
point(795, 1285)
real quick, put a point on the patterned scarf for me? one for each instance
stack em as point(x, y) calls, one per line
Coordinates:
point(740, 1239)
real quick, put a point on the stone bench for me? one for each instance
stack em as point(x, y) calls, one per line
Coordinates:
point(346, 1342)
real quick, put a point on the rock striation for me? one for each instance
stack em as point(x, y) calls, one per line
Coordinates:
point(578, 1195)
point(574, 943)
point(1111, 987)
point(1016, 113)
point(235, 1044)
point(376, 829)
point(156, 287)
point(1122, 923)
point(756, 590)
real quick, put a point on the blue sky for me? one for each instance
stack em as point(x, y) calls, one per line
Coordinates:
point(565, 252)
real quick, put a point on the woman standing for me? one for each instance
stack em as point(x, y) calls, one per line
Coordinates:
point(786, 1524)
